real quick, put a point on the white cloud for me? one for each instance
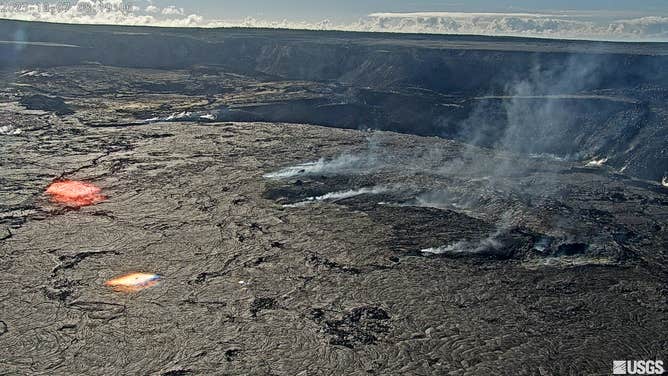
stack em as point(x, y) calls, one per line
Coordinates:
point(520, 24)
point(152, 9)
point(117, 12)
point(652, 26)
point(563, 25)
point(172, 10)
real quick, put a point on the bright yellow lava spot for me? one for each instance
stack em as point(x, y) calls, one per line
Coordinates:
point(133, 282)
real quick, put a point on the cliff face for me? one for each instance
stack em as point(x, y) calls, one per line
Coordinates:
point(453, 64)
point(575, 100)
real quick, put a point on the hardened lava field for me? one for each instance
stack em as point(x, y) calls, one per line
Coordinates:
point(178, 220)
point(339, 284)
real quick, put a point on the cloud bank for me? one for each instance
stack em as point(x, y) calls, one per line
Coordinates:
point(570, 26)
point(114, 12)
point(522, 24)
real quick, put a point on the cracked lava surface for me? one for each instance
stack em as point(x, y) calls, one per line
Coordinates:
point(332, 287)
point(394, 266)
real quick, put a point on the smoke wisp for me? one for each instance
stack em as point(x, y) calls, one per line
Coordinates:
point(341, 195)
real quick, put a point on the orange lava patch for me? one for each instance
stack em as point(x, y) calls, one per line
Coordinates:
point(75, 193)
point(133, 282)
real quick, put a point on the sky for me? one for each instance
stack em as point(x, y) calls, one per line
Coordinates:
point(352, 9)
point(626, 20)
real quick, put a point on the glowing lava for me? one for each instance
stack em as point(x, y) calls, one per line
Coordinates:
point(133, 282)
point(75, 193)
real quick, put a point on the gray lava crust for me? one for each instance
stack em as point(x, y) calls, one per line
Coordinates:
point(294, 249)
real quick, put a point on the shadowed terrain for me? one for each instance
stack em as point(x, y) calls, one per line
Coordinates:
point(582, 100)
point(416, 205)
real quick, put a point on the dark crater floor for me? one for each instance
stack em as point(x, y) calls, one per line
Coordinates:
point(255, 285)
point(297, 249)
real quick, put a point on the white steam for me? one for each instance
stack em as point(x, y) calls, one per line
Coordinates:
point(343, 163)
point(340, 195)
point(466, 247)
point(446, 199)
point(350, 193)
point(597, 162)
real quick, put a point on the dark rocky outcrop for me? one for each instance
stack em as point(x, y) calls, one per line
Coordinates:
point(44, 103)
